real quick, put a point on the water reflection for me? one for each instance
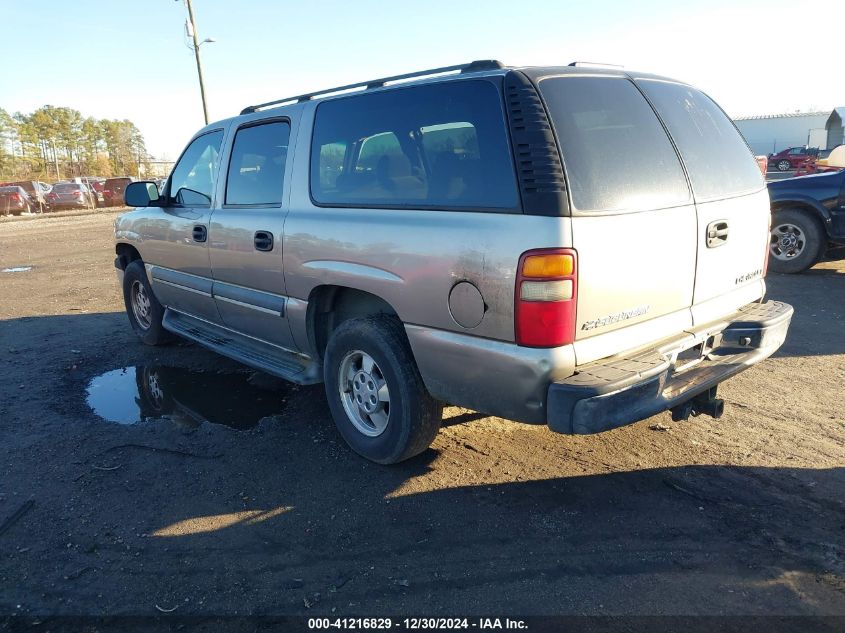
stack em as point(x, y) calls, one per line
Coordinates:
point(135, 394)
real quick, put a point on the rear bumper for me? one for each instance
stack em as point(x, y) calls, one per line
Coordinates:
point(624, 389)
point(69, 204)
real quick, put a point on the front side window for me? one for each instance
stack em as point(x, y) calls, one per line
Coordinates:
point(193, 178)
point(440, 145)
point(717, 158)
point(257, 165)
point(615, 151)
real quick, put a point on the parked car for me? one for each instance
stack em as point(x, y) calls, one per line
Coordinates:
point(822, 162)
point(458, 238)
point(70, 195)
point(113, 189)
point(808, 213)
point(14, 200)
point(792, 157)
point(37, 200)
point(96, 186)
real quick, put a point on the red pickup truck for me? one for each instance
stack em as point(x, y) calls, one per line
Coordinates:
point(792, 157)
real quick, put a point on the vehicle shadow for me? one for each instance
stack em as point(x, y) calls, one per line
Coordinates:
point(284, 518)
point(312, 528)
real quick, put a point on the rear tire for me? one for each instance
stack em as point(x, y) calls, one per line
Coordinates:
point(784, 165)
point(375, 392)
point(797, 241)
point(143, 309)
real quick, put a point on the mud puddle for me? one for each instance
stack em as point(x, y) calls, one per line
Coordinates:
point(132, 395)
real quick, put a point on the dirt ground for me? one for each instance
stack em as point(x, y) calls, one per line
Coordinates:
point(744, 515)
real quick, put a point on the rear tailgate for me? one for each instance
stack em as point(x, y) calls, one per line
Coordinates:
point(634, 223)
point(731, 199)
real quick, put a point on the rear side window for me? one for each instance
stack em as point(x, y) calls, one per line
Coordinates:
point(257, 164)
point(717, 158)
point(435, 146)
point(615, 151)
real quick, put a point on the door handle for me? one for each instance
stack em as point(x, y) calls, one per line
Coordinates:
point(263, 241)
point(200, 233)
point(717, 233)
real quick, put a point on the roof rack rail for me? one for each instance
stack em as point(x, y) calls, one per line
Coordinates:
point(472, 67)
point(595, 65)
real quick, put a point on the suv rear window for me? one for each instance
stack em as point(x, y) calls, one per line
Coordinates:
point(615, 151)
point(718, 160)
point(434, 146)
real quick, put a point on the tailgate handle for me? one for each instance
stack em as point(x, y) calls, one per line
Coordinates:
point(717, 233)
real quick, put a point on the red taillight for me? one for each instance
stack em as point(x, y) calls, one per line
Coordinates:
point(15, 196)
point(763, 164)
point(546, 296)
point(106, 191)
point(77, 194)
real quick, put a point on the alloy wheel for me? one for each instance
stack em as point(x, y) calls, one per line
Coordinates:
point(141, 305)
point(787, 241)
point(364, 393)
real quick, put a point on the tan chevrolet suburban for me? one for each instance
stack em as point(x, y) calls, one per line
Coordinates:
point(578, 247)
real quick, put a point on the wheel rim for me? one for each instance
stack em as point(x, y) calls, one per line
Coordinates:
point(784, 165)
point(141, 306)
point(364, 393)
point(154, 389)
point(787, 241)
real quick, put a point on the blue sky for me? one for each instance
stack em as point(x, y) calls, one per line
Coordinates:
point(129, 59)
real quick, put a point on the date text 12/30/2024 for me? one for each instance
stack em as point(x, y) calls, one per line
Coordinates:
point(417, 624)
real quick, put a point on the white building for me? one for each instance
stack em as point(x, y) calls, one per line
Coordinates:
point(769, 134)
point(834, 127)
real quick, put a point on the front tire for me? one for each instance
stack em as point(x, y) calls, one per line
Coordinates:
point(375, 392)
point(784, 165)
point(797, 241)
point(144, 311)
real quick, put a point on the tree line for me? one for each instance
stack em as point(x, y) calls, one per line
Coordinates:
point(53, 143)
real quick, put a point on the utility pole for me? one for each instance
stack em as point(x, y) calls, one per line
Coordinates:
point(197, 45)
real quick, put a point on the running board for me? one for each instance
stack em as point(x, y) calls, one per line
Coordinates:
point(261, 355)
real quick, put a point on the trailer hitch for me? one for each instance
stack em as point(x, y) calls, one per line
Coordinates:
point(704, 403)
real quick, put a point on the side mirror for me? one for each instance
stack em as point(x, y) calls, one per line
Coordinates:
point(140, 194)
